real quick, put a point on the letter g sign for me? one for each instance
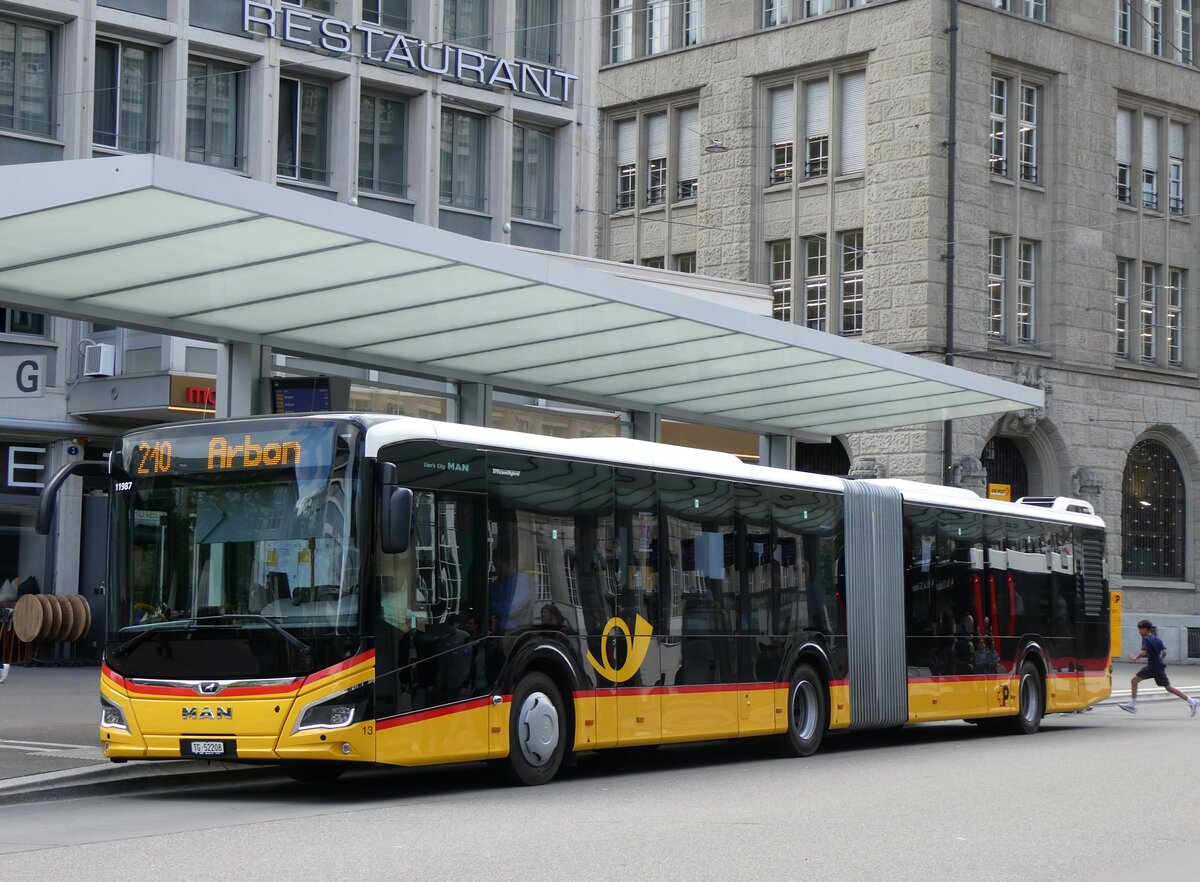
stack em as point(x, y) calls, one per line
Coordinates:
point(29, 376)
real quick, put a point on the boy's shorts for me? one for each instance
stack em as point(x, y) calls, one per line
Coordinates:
point(1159, 677)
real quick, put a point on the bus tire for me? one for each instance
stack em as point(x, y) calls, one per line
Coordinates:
point(807, 712)
point(314, 773)
point(1031, 701)
point(536, 731)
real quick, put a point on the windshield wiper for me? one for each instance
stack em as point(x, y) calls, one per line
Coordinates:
point(287, 635)
point(157, 628)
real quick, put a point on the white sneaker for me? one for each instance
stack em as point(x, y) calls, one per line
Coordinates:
point(4, 676)
point(1193, 705)
point(1128, 706)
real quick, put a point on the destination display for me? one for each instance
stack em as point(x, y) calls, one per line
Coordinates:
point(307, 448)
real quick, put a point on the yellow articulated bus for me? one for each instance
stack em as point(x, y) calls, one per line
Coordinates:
point(330, 590)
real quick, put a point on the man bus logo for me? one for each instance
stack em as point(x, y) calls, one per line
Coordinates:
point(207, 713)
point(639, 645)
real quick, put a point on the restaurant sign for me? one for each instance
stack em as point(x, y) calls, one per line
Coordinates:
point(406, 52)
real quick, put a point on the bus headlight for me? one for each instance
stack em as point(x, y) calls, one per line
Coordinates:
point(111, 716)
point(336, 711)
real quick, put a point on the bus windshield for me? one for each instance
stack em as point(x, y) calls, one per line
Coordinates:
point(248, 527)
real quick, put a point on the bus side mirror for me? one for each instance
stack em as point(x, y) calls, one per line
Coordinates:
point(45, 511)
point(395, 509)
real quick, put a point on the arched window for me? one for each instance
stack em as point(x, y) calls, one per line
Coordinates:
point(1153, 506)
point(1005, 465)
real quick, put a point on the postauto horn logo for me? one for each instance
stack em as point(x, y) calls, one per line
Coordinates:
point(639, 645)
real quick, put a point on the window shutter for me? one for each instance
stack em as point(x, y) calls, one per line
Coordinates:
point(656, 137)
point(1175, 146)
point(1125, 137)
point(688, 144)
point(816, 113)
point(1149, 143)
point(783, 115)
point(853, 129)
point(626, 142)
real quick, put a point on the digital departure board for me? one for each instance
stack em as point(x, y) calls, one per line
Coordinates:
point(300, 395)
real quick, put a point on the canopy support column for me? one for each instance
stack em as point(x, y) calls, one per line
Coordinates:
point(777, 451)
point(240, 369)
point(475, 404)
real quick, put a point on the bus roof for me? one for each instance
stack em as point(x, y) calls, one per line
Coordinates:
point(668, 457)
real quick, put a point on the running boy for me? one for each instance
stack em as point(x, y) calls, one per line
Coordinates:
point(1155, 655)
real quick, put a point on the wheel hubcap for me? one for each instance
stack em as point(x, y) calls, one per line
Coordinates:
point(804, 710)
point(538, 729)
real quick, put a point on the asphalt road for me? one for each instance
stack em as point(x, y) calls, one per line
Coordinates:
point(1093, 797)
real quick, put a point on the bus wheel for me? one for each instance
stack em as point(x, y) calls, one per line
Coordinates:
point(314, 773)
point(1030, 701)
point(535, 731)
point(808, 714)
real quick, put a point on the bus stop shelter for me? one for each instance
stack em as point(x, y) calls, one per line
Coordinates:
point(153, 243)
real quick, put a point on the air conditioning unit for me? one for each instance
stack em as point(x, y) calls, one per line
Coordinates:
point(99, 359)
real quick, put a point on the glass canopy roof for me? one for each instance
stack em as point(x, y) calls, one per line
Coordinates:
point(154, 243)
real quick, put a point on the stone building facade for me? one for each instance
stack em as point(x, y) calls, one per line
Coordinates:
point(1047, 221)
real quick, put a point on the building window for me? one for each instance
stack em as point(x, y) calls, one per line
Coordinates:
point(20, 321)
point(463, 161)
point(1026, 291)
point(1124, 23)
point(1122, 306)
point(852, 283)
point(1148, 313)
point(816, 129)
point(1174, 318)
point(1176, 141)
point(123, 101)
point(999, 137)
point(816, 283)
point(382, 126)
point(653, 262)
point(1019, 311)
point(303, 148)
point(783, 128)
point(1150, 163)
point(1153, 513)
point(215, 114)
point(1035, 9)
point(26, 79)
point(1183, 32)
point(852, 131)
point(1027, 112)
point(658, 26)
point(625, 136)
point(685, 263)
point(1125, 156)
point(693, 22)
point(533, 173)
point(814, 8)
point(1152, 25)
point(656, 159)
point(392, 14)
point(781, 279)
point(776, 12)
point(537, 30)
point(620, 31)
point(687, 152)
point(465, 22)
point(997, 260)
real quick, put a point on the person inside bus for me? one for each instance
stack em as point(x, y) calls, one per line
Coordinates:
point(964, 646)
point(554, 620)
point(510, 594)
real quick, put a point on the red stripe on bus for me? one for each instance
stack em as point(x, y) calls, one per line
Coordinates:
point(434, 713)
point(340, 667)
